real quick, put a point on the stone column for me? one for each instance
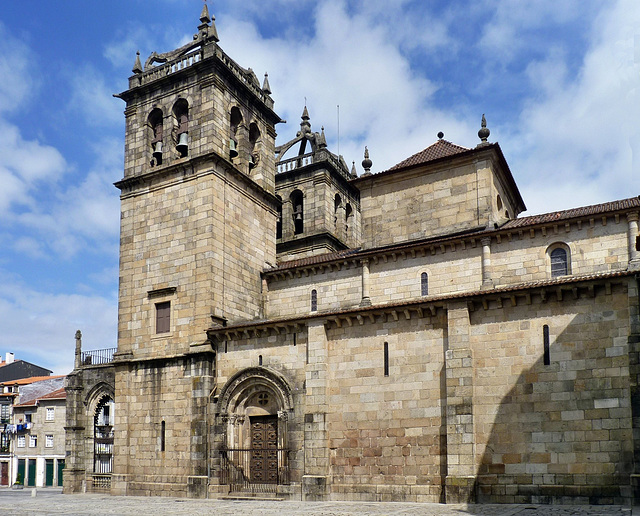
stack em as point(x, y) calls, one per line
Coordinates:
point(316, 446)
point(366, 300)
point(78, 361)
point(487, 282)
point(461, 468)
point(202, 382)
point(74, 434)
point(634, 382)
point(634, 254)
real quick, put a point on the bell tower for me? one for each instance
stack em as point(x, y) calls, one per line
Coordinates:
point(198, 224)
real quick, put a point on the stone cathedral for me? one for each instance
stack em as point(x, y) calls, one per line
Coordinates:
point(290, 327)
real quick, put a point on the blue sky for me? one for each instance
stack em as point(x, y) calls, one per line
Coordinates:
point(558, 82)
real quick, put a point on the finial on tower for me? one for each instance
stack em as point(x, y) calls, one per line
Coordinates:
point(137, 66)
point(265, 84)
point(305, 125)
point(354, 173)
point(321, 140)
point(204, 15)
point(483, 133)
point(366, 162)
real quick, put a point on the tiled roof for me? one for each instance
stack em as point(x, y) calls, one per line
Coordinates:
point(584, 211)
point(32, 379)
point(311, 260)
point(440, 149)
point(59, 394)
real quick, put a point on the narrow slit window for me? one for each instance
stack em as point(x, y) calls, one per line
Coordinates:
point(424, 284)
point(314, 300)
point(386, 359)
point(163, 317)
point(259, 359)
point(545, 339)
point(162, 436)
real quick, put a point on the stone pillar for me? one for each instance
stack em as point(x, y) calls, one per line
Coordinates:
point(366, 300)
point(78, 361)
point(487, 282)
point(74, 472)
point(634, 383)
point(202, 382)
point(316, 446)
point(634, 254)
point(461, 470)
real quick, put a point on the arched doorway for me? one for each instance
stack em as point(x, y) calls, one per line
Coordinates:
point(253, 412)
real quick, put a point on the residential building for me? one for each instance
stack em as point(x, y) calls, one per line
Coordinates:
point(39, 415)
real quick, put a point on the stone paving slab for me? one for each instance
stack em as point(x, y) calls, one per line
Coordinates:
point(53, 502)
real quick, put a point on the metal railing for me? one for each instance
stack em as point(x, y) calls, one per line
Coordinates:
point(254, 470)
point(98, 356)
point(100, 483)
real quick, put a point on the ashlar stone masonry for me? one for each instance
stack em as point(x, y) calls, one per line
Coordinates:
point(289, 326)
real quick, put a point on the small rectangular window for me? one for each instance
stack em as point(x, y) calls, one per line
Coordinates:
point(545, 338)
point(163, 317)
point(22, 441)
point(27, 418)
point(50, 413)
point(33, 441)
point(48, 441)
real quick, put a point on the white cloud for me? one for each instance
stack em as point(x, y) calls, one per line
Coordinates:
point(17, 83)
point(350, 61)
point(92, 97)
point(42, 325)
point(577, 140)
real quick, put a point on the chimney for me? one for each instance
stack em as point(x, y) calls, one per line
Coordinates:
point(10, 358)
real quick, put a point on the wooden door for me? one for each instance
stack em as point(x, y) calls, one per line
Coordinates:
point(4, 473)
point(264, 449)
point(31, 473)
point(48, 473)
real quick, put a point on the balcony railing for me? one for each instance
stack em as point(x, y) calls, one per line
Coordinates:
point(254, 470)
point(295, 162)
point(100, 483)
point(98, 356)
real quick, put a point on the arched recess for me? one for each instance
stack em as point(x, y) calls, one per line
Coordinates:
point(297, 202)
point(235, 121)
point(181, 127)
point(254, 145)
point(279, 219)
point(250, 397)
point(100, 405)
point(155, 135)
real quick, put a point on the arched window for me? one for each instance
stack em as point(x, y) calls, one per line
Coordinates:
point(103, 436)
point(348, 218)
point(279, 219)
point(314, 300)
point(424, 284)
point(235, 120)
point(559, 257)
point(254, 136)
point(298, 212)
point(337, 204)
point(155, 122)
point(181, 121)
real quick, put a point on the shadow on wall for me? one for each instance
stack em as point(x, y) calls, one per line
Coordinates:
point(563, 433)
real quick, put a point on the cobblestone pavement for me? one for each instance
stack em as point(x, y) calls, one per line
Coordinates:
point(52, 502)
